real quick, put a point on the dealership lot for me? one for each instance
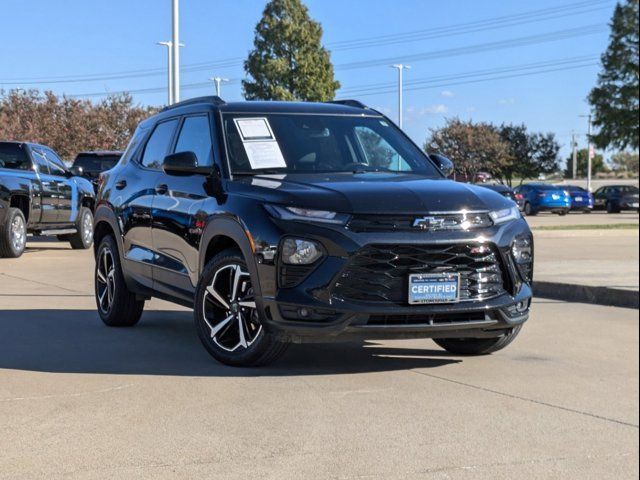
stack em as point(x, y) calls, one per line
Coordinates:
point(81, 400)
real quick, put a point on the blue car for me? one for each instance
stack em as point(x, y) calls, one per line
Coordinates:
point(581, 199)
point(540, 197)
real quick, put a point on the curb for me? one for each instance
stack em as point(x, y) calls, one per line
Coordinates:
point(613, 297)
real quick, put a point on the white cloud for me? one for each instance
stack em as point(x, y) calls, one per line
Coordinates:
point(435, 109)
point(447, 94)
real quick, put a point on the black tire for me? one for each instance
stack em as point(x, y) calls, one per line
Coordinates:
point(562, 213)
point(83, 238)
point(221, 326)
point(477, 346)
point(611, 208)
point(124, 308)
point(529, 211)
point(586, 211)
point(13, 234)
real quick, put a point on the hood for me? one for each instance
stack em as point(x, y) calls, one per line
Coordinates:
point(374, 192)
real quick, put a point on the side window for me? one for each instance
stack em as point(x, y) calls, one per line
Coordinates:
point(134, 143)
point(42, 165)
point(195, 136)
point(158, 145)
point(378, 152)
point(56, 166)
point(14, 157)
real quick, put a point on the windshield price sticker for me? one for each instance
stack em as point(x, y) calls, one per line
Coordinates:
point(260, 144)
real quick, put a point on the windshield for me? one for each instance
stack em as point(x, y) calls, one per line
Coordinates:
point(293, 143)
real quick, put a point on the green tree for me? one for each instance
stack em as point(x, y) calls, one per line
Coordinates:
point(473, 147)
point(288, 61)
point(530, 154)
point(625, 162)
point(597, 164)
point(615, 98)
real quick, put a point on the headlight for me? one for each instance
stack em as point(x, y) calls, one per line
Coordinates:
point(306, 214)
point(522, 251)
point(298, 251)
point(505, 215)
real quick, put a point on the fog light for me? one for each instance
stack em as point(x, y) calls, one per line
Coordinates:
point(522, 251)
point(297, 251)
point(303, 312)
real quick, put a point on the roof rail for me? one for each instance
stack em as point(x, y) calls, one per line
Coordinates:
point(213, 99)
point(350, 103)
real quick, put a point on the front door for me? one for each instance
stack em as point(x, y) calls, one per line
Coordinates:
point(179, 214)
point(49, 192)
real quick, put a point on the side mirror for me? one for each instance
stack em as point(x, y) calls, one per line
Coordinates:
point(77, 171)
point(443, 163)
point(183, 163)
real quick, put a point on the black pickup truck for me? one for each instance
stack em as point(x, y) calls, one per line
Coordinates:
point(39, 195)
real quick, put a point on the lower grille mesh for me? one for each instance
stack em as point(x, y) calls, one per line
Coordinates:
point(380, 273)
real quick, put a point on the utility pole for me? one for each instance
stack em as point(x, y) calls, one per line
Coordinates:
point(401, 67)
point(590, 152)
point(574, 155)
point(218, 81)
point(175, 44)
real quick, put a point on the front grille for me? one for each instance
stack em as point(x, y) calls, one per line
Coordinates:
point(437, 319)
point(407, 223)
point(380, 273)
point(292, 275)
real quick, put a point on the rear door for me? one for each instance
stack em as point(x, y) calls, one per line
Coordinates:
point(49, 188)
point(178, 215)
point(134, 193)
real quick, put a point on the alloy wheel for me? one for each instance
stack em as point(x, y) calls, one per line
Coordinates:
point(229, 309)
point(18, 233)
point(87, 229)
point(105, 279)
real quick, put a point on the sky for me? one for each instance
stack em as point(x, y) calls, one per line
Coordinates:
point(484, 60)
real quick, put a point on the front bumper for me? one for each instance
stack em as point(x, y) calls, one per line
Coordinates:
point(310, 312)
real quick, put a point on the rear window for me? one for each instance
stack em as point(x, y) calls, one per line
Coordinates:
point(13, 156)
point(96, 163)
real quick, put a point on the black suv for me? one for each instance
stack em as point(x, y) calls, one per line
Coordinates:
point(91, 164)
point(293, 222)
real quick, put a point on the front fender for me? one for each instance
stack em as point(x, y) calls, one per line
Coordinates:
point(105, 215)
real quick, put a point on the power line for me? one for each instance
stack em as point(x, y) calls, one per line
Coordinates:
point(457, 29)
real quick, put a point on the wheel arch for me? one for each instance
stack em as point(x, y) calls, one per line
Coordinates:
point(105, 223)
point(23, 203)
point(223, 233)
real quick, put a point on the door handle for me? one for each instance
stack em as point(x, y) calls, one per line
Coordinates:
point(162, 189)
point(121, 184)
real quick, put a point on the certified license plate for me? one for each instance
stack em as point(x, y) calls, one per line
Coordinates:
point(578, 199)
point(434, 288)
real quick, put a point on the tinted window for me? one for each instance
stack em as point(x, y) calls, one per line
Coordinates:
point(90, 163)
point(41, 163)
point(13, 156)
point(134, 143)
point(56, 166)
point(195, 136)
point(158, 145)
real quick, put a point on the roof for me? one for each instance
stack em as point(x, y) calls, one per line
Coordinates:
point(102, 153)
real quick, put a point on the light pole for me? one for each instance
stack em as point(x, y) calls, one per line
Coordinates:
point(590, 151)
point(218, 81)
point(401, 67)
point(169, 46)
point(175, 44)
point(574, 155)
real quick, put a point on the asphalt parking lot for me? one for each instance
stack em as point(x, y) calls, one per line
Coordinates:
point(80, 400)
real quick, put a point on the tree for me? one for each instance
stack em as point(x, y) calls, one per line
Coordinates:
point(625, 162)
point(473, 147)
point(597, 164)
point(288, 61)
point(530, 154)
point(69, 125)
point(615, 98)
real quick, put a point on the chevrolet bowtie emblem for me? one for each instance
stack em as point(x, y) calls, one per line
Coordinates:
point(424, 223)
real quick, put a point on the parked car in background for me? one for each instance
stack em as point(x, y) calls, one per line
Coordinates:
point(282, 222)
point(581, 198)
point(38, 194)
point(615, 198)
point(542, 197)
point(503, 190)
point(91, 164)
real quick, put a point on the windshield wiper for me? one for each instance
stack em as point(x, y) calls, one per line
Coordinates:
point(250, 173)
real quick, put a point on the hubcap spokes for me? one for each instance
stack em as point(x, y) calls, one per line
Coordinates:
point(229, 309)
point(18, 233)
point(105, 279)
